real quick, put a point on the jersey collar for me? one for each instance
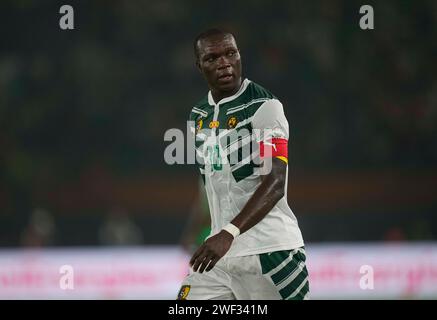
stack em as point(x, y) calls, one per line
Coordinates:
point(243, 87)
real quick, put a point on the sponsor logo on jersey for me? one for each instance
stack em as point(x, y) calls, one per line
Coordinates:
point(183, 293)
point(232, 122)
point(214, 124)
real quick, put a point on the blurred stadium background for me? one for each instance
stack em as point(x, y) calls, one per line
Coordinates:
point(83, 113)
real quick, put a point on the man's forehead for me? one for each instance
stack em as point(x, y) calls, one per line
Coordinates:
point(217, 42)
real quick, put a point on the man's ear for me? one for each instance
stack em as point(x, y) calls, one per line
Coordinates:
point(198, 66)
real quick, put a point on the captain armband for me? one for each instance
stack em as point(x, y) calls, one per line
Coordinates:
point(275, 148)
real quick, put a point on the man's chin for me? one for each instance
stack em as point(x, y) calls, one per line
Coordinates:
point(228, 86)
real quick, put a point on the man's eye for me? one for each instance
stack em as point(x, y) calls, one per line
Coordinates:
point(231, 53)
point(210, 59)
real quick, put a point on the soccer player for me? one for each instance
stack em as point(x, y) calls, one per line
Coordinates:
point(255, 249)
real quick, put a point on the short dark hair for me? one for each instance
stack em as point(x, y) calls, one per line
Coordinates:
point(209, 33)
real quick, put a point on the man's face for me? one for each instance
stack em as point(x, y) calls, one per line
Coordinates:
point(220, 63)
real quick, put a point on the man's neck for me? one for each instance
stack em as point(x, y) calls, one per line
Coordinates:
point(219, 95)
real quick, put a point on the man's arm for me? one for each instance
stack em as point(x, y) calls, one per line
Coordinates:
point(269, 192)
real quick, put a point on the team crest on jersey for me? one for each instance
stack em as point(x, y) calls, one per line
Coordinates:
point(214, 124)
point(232, 122)
point(183, 293)
point(199, 125)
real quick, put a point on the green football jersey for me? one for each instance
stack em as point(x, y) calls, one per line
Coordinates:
point(227, 138)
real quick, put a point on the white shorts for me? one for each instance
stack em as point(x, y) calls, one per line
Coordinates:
point(268, 276)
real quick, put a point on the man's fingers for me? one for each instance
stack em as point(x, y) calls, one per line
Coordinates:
point(205, 263)
point(212, 263)
point(199, 261)
point(196, 255)
point(208, 254)
point(198, 258)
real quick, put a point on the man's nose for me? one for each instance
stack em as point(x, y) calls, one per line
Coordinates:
point(223, 62)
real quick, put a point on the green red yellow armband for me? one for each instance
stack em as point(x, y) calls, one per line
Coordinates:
point(275, 148)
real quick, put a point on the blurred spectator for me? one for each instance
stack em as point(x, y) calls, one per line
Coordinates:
point(119, 229)
point(395, 234)
point(198, 225)
point(40, 230)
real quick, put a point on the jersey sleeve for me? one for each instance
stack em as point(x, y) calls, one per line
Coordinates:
point(271, 130)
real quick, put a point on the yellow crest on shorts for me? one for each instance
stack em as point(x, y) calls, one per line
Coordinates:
point(183, 293)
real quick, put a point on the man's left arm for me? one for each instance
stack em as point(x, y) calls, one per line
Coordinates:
point(266, 196)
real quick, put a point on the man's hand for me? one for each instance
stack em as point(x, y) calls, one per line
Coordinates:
point(211, 251)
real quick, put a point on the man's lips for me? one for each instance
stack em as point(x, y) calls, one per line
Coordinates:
point(225, 77)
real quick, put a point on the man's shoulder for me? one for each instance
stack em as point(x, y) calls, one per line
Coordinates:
point(256, 91)
point(200, 108)
point(202, 104)
point(252, 99)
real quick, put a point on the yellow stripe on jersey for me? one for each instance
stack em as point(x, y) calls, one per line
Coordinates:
point(283, 159)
